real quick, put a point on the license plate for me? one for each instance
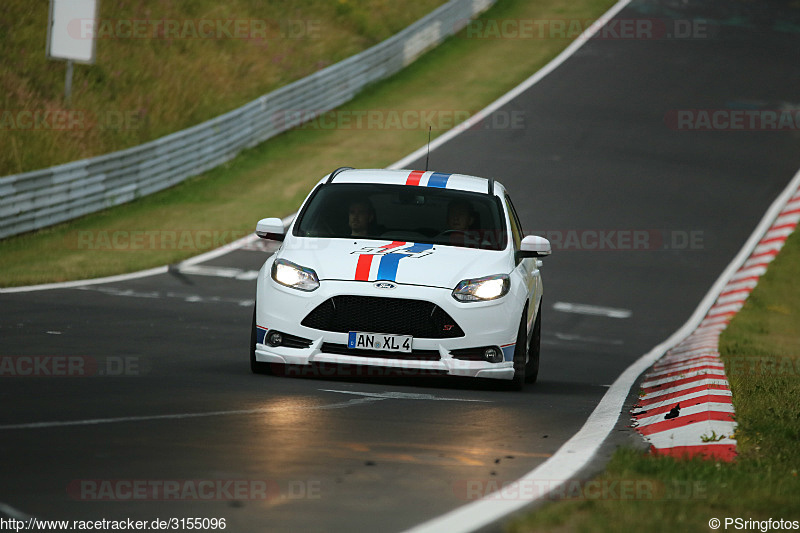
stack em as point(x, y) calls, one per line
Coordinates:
point(378, 341)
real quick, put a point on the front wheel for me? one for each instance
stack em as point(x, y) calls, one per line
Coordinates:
point(520, 356)
point(532, 370)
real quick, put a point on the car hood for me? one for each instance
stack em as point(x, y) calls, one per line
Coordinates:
point(400, 262)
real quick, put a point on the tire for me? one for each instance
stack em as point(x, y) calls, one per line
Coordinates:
point(534, 349)
point(256, 367)
point(520, 355)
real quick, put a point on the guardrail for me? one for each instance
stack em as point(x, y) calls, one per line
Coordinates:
point(34, 200)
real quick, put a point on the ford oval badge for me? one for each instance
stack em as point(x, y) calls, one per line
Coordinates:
point(384, 285)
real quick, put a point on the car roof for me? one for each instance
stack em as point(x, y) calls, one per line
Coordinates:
point(461, 182)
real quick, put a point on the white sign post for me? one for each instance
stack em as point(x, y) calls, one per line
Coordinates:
point(70, 34)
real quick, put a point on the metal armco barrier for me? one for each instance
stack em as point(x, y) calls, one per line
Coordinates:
point(41, 198)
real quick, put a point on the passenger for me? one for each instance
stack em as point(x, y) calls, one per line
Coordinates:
point(459, 216)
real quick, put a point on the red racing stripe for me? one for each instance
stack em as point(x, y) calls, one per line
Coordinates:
point(414, 177)
point(363, 266)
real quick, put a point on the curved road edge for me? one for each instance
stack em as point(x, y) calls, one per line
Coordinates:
point(692, 372)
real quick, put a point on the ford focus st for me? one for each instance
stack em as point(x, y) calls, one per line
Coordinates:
point(402, 269)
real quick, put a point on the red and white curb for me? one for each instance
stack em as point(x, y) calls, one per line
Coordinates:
point(685, 406)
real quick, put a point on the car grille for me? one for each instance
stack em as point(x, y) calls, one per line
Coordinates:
point(396, 316)
point(414, 355)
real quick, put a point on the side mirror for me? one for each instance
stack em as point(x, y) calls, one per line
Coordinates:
point(270, 228)
point(533, 246)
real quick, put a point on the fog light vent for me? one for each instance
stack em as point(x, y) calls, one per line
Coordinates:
point(493, 354)
point(274, 338)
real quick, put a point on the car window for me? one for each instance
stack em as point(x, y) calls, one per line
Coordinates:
point(404, 213)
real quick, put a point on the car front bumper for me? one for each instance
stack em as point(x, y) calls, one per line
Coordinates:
point(493, 323)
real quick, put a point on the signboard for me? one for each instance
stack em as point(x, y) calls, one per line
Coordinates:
point(71, 30)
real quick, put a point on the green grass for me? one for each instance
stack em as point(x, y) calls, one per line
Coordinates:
point(191, 65)
point(461, 76)
point(761, 350)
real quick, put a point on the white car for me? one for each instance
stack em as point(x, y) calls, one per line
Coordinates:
point(415, 270)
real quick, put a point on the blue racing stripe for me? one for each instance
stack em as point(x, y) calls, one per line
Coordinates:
point(420, 247)
point(438, 179)
point(508, 352)
point(387, 271)
point(260, 334)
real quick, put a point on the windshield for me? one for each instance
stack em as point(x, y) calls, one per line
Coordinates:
point(403, 213)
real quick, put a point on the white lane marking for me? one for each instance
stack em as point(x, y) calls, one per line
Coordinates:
point(591, 340)
point(177, 416)
point(235, 245)
point(130, 293)
point(596, 310)
point(364, 397)
point(220, 272)
point(191, 298)
point(83, 282)
point(403, 396)
point(10, 512)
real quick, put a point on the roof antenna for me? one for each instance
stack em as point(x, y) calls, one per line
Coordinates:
point(428, 155)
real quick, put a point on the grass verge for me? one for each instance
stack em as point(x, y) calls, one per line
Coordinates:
point(164, 66)
point(461, 76)
point(761, 350)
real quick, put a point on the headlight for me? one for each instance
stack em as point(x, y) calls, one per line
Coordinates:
point(482, 289)
point(294, 276)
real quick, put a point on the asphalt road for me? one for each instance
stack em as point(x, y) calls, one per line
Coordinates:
point(172, 402)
